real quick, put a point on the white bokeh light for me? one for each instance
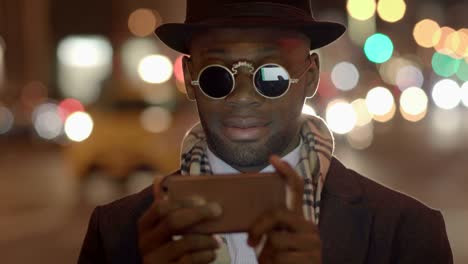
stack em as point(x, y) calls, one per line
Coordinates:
point(133, 51)
point(446, 94)
point(90, 51)
point(156, 119)
point(345, 76)
point(84, 63)
point(79, 126)
point(362, 113)
point(155, 69)
point(47, 121)
point(414, 101)
point(464, 94)
point(308, 110)
point(379, 101)
point(361, 137)
point(409, 76)
point(6, 120)
point(340, 116)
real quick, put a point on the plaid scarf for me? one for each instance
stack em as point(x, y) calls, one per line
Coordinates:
point(315, 155)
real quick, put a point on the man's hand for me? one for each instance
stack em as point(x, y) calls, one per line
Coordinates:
point(165, 219)
point(290, 237)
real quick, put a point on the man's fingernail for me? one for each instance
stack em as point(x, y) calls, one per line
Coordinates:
point(198, 201)
point(216, 209)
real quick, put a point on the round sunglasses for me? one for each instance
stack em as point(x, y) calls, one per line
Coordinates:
point(270, 80)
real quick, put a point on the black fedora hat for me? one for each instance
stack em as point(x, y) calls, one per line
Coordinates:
point(289, 14)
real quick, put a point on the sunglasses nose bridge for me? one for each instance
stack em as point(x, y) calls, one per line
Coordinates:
point(244, 91)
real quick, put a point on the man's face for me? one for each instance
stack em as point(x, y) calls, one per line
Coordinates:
point(245, 128)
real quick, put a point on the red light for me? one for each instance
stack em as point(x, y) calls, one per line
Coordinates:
point(178, 71)
point(68, 107)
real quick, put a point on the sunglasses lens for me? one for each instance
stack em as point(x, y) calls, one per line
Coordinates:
point(216, 81)
point(271, 80)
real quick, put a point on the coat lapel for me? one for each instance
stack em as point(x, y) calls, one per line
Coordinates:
point(345, 220)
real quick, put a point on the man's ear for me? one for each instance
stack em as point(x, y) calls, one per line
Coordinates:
point(313, 75)
point(187, 68)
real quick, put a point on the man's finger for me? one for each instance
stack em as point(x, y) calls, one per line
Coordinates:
point(294, 182)
point(278, 220)
point(284, 241)
point(174, 250)
point(176, 223)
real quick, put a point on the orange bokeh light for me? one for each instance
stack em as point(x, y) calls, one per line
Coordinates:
point(442, 46)
point(461, 50)
point(142, 22)
point(425, 33)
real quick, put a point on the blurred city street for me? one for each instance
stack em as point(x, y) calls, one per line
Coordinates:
point(41, 219)
point(44, 217)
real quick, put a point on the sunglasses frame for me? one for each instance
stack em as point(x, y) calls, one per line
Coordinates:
point(252, 72)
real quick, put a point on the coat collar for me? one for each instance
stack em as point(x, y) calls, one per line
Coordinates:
point(345, 219)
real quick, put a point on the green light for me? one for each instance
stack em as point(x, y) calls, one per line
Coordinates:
point(444, 65)
point(378, 48)
point(462, 72)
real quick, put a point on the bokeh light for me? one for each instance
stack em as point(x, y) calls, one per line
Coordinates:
point(425, 33)
point(408, 76)
point(386, 117)
point(68, 107)
point(178, 69)
point(156, 119)
point(84, 63)
point(379, 101)
point(155, 69)
point(33, 94)
point(464, 94)
point(444, 65)
point(361, 9)
point(340, 116)
point(378, 48)
point(361, 137)
point(389, 70)
point(462, 72)
point(363, 117)
point(7, 120)
point(446, 94)
point(142, 22)
point(133, 51)
point(85, 52)
point(455, 44)
point(443, 45)
point(413, 104)
point(79, 126)
point(391, 10)
point(461, 50)
point(308, 110)
point(345, 76)
point(47, 122)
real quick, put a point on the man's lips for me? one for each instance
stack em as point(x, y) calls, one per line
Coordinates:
point(245, 128)
point(244, 122)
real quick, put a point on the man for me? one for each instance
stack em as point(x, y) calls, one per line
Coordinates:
point(249, 71)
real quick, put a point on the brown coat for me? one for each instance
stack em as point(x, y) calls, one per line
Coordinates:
point(360, 222)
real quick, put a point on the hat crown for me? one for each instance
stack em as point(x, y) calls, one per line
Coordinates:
point(200, 10)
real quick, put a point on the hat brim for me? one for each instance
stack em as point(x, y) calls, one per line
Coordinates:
point(321, 33)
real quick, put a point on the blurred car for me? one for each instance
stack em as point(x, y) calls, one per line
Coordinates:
point(130, 136)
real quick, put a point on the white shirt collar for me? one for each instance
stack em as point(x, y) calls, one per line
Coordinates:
point(219, 166)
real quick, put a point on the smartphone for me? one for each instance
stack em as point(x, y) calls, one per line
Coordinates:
point(243, 197)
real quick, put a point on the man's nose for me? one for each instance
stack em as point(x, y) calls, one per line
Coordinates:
point(244, 91)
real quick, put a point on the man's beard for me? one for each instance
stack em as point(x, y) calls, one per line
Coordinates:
point(246, 154)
